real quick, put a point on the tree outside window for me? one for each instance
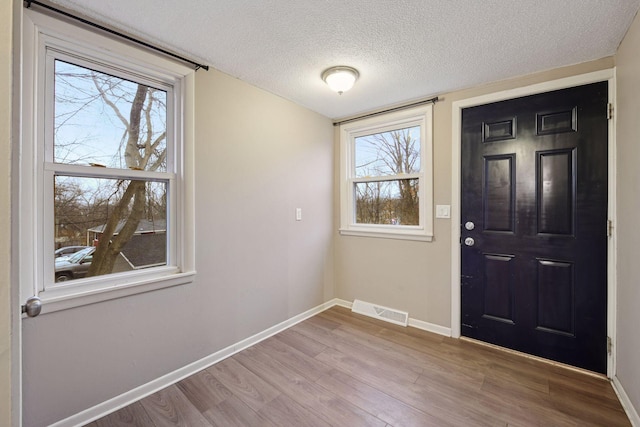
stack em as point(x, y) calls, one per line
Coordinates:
point(388, 154)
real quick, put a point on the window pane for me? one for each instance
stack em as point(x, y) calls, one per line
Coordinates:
point(123, 223)
point(388, 153)
point(105, 120)
point(387, 202)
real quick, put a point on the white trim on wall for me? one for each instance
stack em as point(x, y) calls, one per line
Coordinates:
point(16, 323)
point(456, 116)
point(625, 402)
point(430, 327)
point(612, 247)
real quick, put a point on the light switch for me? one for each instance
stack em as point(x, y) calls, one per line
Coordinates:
point(443, 211)
point(298, 214)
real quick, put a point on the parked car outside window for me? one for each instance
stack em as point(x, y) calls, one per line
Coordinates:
point(76, 266)
point(68, 250)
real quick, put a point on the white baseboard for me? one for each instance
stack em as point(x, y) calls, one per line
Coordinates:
point(342, 303)
point(430, 327)
point(626, 402)
point(127, 398)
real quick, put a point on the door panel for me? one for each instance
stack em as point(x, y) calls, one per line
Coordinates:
point(555, 288)
point(498, 295)
point(499, 187)
point(555, 182)
point(534, 185)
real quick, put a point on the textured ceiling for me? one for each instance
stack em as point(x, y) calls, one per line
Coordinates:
point(404, 49)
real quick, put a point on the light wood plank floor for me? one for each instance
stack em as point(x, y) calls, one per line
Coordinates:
point(343, 369)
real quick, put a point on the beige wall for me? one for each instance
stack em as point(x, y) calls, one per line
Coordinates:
point(5, 209)
point(258, 157)
point(416, 276)
point(628, 201)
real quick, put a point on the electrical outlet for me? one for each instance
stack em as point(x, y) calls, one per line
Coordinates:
point(298, 214)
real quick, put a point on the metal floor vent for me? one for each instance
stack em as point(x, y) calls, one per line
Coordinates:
point(379, 312)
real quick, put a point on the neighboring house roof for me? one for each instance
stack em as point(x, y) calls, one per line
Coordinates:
point(144, 226)
point(146, 248)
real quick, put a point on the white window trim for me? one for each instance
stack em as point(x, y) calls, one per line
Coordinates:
point(35, 205)
point(422, 116)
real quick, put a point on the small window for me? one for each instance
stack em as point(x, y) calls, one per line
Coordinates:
point(103, 153)
point(386, 176)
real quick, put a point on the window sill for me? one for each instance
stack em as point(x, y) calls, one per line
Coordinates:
point(57, 300)
point(387, 235)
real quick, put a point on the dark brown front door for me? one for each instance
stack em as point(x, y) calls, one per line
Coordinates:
point(534, 225)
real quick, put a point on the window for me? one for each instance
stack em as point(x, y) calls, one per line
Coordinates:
point(386, 176)
point(104, 143)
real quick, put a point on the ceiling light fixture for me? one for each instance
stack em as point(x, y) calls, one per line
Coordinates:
point(340, 79)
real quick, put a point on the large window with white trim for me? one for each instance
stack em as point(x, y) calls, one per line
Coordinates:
point(104, 179)
point(386, 176)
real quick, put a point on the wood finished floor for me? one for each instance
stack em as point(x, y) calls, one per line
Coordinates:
point(343, 369)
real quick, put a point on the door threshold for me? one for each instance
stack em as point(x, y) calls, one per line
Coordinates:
point(536, 358)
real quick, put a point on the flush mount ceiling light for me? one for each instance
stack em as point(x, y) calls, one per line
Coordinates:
point(340, 79)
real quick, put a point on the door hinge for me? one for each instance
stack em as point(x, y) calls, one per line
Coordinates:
point(609, 228)
point(609, 345)
point(609, 111)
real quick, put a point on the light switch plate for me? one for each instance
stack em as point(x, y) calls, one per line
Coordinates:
point(443, 211)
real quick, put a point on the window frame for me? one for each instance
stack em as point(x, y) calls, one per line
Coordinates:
point(45, 40)
point(421, 116)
